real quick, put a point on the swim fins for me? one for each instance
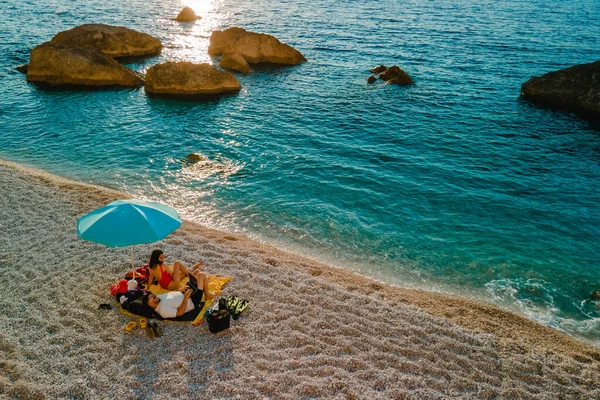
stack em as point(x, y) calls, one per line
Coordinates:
point(232, 302)
point(239, 309)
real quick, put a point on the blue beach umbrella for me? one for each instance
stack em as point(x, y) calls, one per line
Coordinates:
point(128, 222)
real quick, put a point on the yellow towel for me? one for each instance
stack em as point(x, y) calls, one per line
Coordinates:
point(215, 284)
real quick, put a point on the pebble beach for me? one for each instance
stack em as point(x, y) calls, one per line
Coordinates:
point(311, 331)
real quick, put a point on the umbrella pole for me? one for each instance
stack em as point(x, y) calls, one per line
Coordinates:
point(132, 265)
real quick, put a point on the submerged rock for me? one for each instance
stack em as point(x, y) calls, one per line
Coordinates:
point(575, 89)
point(371, 79)
point(57, 64)
point(394, 75)
point(237, 44)
point(187, 15)
point(185, 79)
point(22, 68)
point(195, 157)
point(114, 41)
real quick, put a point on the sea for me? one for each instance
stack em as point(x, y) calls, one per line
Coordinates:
point(453, 184)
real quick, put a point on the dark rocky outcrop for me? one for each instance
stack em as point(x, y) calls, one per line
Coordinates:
point(185, 79)
point(371, 79)
point(58, 64)
point(394, 75)
point(114, 41)
point(22, 68)
point(240, 48)
point(575, 89)
point(187, 15)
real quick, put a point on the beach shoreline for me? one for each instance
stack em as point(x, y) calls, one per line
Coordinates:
point(311, 330)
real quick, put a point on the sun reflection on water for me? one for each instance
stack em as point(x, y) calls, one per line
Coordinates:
point(200, 7)
point(189, 40)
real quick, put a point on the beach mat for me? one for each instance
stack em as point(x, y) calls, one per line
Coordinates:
point(215, 284)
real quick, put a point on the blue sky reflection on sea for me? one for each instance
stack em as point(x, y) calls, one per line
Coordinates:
point(453, 183)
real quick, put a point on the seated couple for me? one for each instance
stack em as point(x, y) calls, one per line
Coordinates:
point(179, 300)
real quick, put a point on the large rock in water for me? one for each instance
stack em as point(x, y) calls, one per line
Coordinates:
point(57, 64)
point(114, 41)
point(575, 89)
point(185, 79)
point(237, 44)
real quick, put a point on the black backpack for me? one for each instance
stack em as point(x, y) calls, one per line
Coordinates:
point(218, 321)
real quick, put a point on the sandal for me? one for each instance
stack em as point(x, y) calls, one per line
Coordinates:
point(157, 330)
point(143, 323)
point(149, 330)
point(131, 326)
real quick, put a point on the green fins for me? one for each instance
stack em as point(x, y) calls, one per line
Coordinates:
point(235, 306)
point(239, 309)
point(232, 302)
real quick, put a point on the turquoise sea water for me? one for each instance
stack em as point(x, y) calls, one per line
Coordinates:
point(453, 183)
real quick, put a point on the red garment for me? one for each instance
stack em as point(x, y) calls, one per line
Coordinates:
point(140, 274)
point(165, 278)
point(119, 287)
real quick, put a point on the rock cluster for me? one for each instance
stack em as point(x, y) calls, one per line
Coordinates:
point(576, 88)
point(187, 15)
point(240, 48)
point(392, 75)
point(85, 56)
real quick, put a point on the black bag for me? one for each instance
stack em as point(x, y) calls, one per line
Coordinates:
point(218, 321)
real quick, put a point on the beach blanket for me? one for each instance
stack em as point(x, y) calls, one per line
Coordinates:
point(215, 284)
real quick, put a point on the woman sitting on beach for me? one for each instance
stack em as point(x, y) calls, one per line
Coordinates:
point(167, 278)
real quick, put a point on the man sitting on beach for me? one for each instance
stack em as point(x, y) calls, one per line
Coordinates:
point(175, 304)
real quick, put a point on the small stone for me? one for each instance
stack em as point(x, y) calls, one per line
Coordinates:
point(187, 15)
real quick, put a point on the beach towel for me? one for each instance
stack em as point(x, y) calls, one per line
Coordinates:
point(215, 284)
